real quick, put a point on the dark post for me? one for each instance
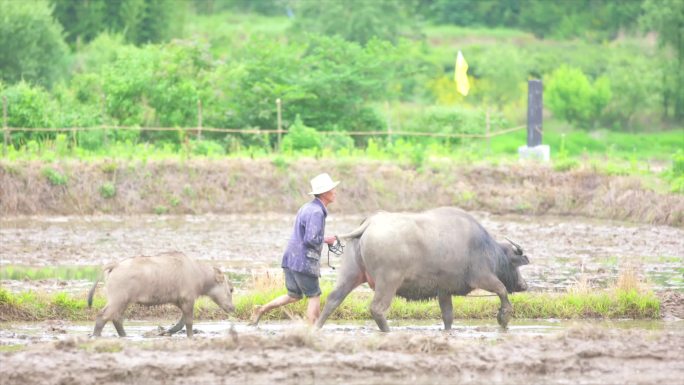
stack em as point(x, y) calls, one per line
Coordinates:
point(534, 112)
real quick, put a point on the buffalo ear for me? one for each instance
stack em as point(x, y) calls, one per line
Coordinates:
point(519, 260)
point(218, 275)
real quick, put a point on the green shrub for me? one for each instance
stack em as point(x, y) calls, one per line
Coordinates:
point(55, 177)
point(572, 97)
point(676, 174)
point(107, 190)
point(301, 137)
point(207, 148)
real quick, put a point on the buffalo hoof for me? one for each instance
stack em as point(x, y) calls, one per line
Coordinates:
point(503, 316)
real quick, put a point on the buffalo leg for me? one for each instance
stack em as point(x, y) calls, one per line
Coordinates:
point(493, 285)
point(447, 308)
point(187, 309)
point(345, 284)
point(385, 289)
point(118, 325)
point(177, 327)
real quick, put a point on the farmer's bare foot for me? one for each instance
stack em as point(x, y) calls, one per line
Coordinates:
point(256, 315)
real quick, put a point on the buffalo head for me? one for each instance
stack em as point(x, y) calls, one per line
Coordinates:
point(516, 258)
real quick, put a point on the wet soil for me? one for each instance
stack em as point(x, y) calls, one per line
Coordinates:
point(586, 354)
point(562, 250)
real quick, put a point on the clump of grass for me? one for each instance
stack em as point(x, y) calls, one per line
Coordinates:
point(627, 299)
point(55, 177)
point(107, 190)
point(19, 272)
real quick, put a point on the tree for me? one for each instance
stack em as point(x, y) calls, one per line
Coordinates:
point(357, 20)
point(140, 21)
point(572, 97)
point(31, 44)
point(666, 17)
point(501, 73)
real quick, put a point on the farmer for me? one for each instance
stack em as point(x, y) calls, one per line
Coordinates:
point(301, 260)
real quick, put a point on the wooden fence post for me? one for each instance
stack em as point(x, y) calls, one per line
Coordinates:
point(280, 121)
point(5, 133)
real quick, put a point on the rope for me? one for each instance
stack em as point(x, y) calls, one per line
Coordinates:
point(336, 248)
point(259, 131)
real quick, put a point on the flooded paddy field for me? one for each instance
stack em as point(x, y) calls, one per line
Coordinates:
point(63, 254)
point(562, 250)
point(285, 352)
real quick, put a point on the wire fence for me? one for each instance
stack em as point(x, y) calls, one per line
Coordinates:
point(196, 131)
point(199, 129)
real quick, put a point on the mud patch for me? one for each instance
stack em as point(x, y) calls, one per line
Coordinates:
point(579, 355)
point(562, 250)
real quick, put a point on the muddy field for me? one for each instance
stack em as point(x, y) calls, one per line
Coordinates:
point(563, 251)
point(577, 355)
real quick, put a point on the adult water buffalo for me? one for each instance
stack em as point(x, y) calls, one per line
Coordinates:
point(436, 253)
point(166, 278)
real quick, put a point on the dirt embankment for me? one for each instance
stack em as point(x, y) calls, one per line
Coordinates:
point(243, 185)
point(582, 355)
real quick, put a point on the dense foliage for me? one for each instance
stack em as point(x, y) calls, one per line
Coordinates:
point(339, 66)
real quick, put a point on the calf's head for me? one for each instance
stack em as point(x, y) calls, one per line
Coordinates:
point(516, 257)
point(221, 292)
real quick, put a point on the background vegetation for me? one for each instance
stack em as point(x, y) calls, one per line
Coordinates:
point(612, 73)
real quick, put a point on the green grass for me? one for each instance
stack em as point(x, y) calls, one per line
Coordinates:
point(609, 304)
point(67, 273)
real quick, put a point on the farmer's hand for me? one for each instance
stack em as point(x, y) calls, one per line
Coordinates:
point(330, 240)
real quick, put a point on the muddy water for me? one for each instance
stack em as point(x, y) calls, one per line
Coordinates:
point(25, 333)
point(562, 250)
point(549, 353)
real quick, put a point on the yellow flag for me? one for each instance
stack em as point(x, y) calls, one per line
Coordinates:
point(461, 74)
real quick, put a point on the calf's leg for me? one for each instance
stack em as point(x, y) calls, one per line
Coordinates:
point(118, 325)
point(177, 327)
point(187, 309)
point(112, 311)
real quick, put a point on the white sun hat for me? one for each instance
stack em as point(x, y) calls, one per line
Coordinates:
point(322, 183)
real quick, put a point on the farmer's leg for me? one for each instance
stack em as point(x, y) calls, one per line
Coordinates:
point(311, 288)
point(294, 294)
point(313, 310)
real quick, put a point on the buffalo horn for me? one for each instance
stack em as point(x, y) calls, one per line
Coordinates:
point(518, 249)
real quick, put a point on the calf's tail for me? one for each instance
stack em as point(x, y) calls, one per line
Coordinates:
point(107, 269)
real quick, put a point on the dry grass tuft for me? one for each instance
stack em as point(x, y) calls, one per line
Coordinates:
point(267, 281)
point(629, 280)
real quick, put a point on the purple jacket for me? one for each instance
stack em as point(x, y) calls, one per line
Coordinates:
point(303, 252)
